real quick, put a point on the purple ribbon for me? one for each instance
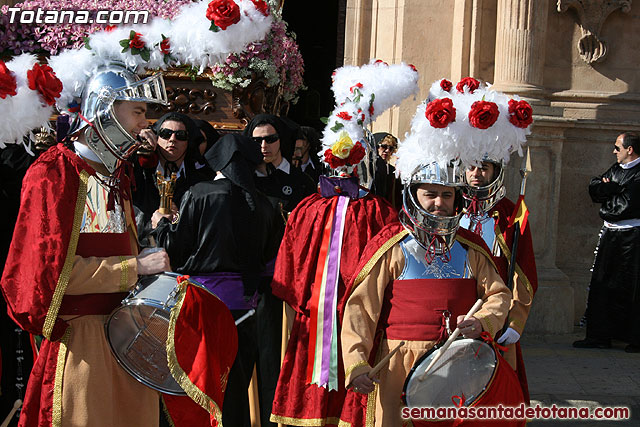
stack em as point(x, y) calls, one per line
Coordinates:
point(335, 186)
point(333, 264)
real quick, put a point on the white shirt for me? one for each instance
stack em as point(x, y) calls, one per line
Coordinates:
point(308, 163)
point(181, 170)
point(630, 164)
point(284, 166)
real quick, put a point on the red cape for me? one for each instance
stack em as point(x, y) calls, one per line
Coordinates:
point(53, 196)
point(296, 402)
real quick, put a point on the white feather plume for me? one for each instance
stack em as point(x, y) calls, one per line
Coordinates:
point(356, 89)
point(24, 111)
point(425, 144)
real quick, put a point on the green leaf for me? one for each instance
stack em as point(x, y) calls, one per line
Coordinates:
point(163, 36)
point(124, 43)
point(86, 43)
point(132, 34)
point(214, 27)
point(324, 120)
point(135, 51)
point(145, 54)
point(166, 59)
point(337, 127)
point(125, 49)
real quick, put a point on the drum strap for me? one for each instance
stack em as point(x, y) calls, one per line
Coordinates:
point(90, 304)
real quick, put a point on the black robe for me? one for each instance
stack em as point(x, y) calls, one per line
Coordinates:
point(613, 307)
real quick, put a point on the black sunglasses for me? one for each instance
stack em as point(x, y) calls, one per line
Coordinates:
point(181, 135)
point(616, 148)
point(387, 147)
point(269, 139)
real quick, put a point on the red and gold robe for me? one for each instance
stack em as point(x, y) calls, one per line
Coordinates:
point(297, 402)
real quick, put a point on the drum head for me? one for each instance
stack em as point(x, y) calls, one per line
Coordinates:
point(465, 370)
point(137, 333)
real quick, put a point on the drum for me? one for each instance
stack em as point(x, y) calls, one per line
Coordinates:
point(137, 331)
point(465, 370)
point(469, 373)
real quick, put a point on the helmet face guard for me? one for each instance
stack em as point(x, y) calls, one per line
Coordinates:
point(104, 133)
point(434, 233)
point(480, 200)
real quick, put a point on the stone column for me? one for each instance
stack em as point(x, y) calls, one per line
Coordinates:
point(520, 45)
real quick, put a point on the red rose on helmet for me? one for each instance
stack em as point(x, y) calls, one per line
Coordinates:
point(344, 115)
point(333, 161)
point(483, 114)
point(165, 46)
point(520, 113)
point(469, 82)
point(262, 6)
point(440, 112)
point(223, 13)
point(446, 85)
point(7, 81)
point(136, 42)
point(413, 67)
point(44, 80)
point(357, 153)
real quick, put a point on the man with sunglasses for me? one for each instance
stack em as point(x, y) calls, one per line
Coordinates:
point(613, 306)
point(174, 140)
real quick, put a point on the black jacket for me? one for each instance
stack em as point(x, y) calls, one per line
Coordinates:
point(620, 198)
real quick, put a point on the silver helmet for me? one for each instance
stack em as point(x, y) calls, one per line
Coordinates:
point(434, 233)
point(480, 200)
point(104, 134)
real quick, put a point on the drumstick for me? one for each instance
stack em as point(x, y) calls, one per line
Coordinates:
point(16, 405)
point(246, 316)
point(384, 361)
point(453, 336)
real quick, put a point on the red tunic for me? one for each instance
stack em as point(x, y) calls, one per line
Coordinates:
point(296, 402)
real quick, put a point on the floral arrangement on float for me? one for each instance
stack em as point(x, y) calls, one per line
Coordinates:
point(197, 35)
point(362, 94)
point(467, 122)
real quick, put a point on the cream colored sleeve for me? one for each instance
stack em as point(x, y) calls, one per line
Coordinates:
point(95, 275)
point(362, 312)
point(492, 290)
point(520, 305)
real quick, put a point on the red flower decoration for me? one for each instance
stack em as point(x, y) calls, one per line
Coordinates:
point(344, 115)
point(379, 61)
point(469, 82)
point(136, 42)
point(520, 113)
point(44, 80)
point(262, 6)
point(371, 109)
point(413, 67)
point(7, 82)
point(165, 46)
point(110, 28)
point(440, 112)
point(483, 114)
point(333, 161)
point(356, 154)
point(223, 13)
point(446, 85)
point(355, 86)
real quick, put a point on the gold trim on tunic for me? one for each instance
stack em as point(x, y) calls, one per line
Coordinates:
point(124, 274)
point(56, 411)
point(507, 254)
point(303, 421)
point(65, 274)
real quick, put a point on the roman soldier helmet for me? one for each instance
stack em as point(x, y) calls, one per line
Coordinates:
point(362, 94)
point(104, 133)
point(453, 128)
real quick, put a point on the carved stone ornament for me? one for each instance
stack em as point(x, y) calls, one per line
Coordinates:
point(591, 16)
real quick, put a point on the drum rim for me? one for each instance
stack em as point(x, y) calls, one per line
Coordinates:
point(434, 348)
point(134, 374)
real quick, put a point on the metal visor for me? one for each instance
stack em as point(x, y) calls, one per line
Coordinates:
point(481, 199)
